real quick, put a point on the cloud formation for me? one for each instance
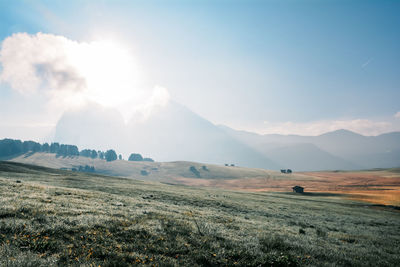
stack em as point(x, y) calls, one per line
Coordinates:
point(39, 62)
point(397, 115)
point(71, 73)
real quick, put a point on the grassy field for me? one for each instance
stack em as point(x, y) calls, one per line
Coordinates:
point(373, 186)
point(54, 217)
point(157, 171)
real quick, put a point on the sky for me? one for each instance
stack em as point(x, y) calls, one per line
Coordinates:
point(288, 67)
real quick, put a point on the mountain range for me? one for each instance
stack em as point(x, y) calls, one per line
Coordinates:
point(173, 132)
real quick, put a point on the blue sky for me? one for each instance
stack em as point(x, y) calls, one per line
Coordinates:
point(255, 65)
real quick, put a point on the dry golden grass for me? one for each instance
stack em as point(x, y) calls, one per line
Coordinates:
point(379, 187)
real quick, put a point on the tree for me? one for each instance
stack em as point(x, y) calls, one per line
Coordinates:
point(54, 147)
point(110, 155)
point(135, 157)
point(31, 146)
point(195, 171)
point(9, 147)
point(148, 159)
point(73, 150)
point(94, 154)
point(120, 157)
point(46, 148)
point(85, 153)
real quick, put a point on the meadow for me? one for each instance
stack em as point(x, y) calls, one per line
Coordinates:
point(52, 217)
point(378, 186)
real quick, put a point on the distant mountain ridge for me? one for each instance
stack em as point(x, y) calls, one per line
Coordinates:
point(342, 149)
point(175, 133)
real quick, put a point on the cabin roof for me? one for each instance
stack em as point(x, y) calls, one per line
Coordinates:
point(297, 187)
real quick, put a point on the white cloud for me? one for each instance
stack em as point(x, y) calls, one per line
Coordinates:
point(362, 126)
point(41, 61)
point(70, 73)
point(397, 115)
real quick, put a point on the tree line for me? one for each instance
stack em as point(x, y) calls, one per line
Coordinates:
point(11, 147)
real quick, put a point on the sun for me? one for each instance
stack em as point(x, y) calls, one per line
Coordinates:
point(109, 70)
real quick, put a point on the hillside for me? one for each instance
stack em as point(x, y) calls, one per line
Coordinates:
point(378, 186)
point(156, 171)
point(53, 217)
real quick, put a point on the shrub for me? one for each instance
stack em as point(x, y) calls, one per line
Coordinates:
point(135, 157)
point(195, 171)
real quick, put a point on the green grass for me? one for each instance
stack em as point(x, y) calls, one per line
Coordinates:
point(53, 217)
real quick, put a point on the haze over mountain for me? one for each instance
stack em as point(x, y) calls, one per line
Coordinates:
point(341, 149)
point(173, 132)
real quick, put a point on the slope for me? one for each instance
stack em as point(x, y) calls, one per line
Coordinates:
point(155, 171)
point(53, 217)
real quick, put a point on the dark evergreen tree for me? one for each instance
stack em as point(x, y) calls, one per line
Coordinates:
point(73, 150)
point(31, 146)
point(93, 154)
point(10, 147)
point(54, 147)
point(135, 157)
point(46, 148)
point(86, 153)
point(110, 155)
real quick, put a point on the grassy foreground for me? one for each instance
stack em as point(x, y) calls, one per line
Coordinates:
point(53, 217)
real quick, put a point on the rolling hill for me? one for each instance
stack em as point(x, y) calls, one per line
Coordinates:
point(155, 171)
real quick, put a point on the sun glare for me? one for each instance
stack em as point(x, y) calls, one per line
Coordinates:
point(110, 72)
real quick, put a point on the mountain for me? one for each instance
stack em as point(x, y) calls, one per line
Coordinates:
point(92, 126)
point(341, 149)
point(381, 151)
point(306, 156)
point(175, 133)
point(170, 133)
